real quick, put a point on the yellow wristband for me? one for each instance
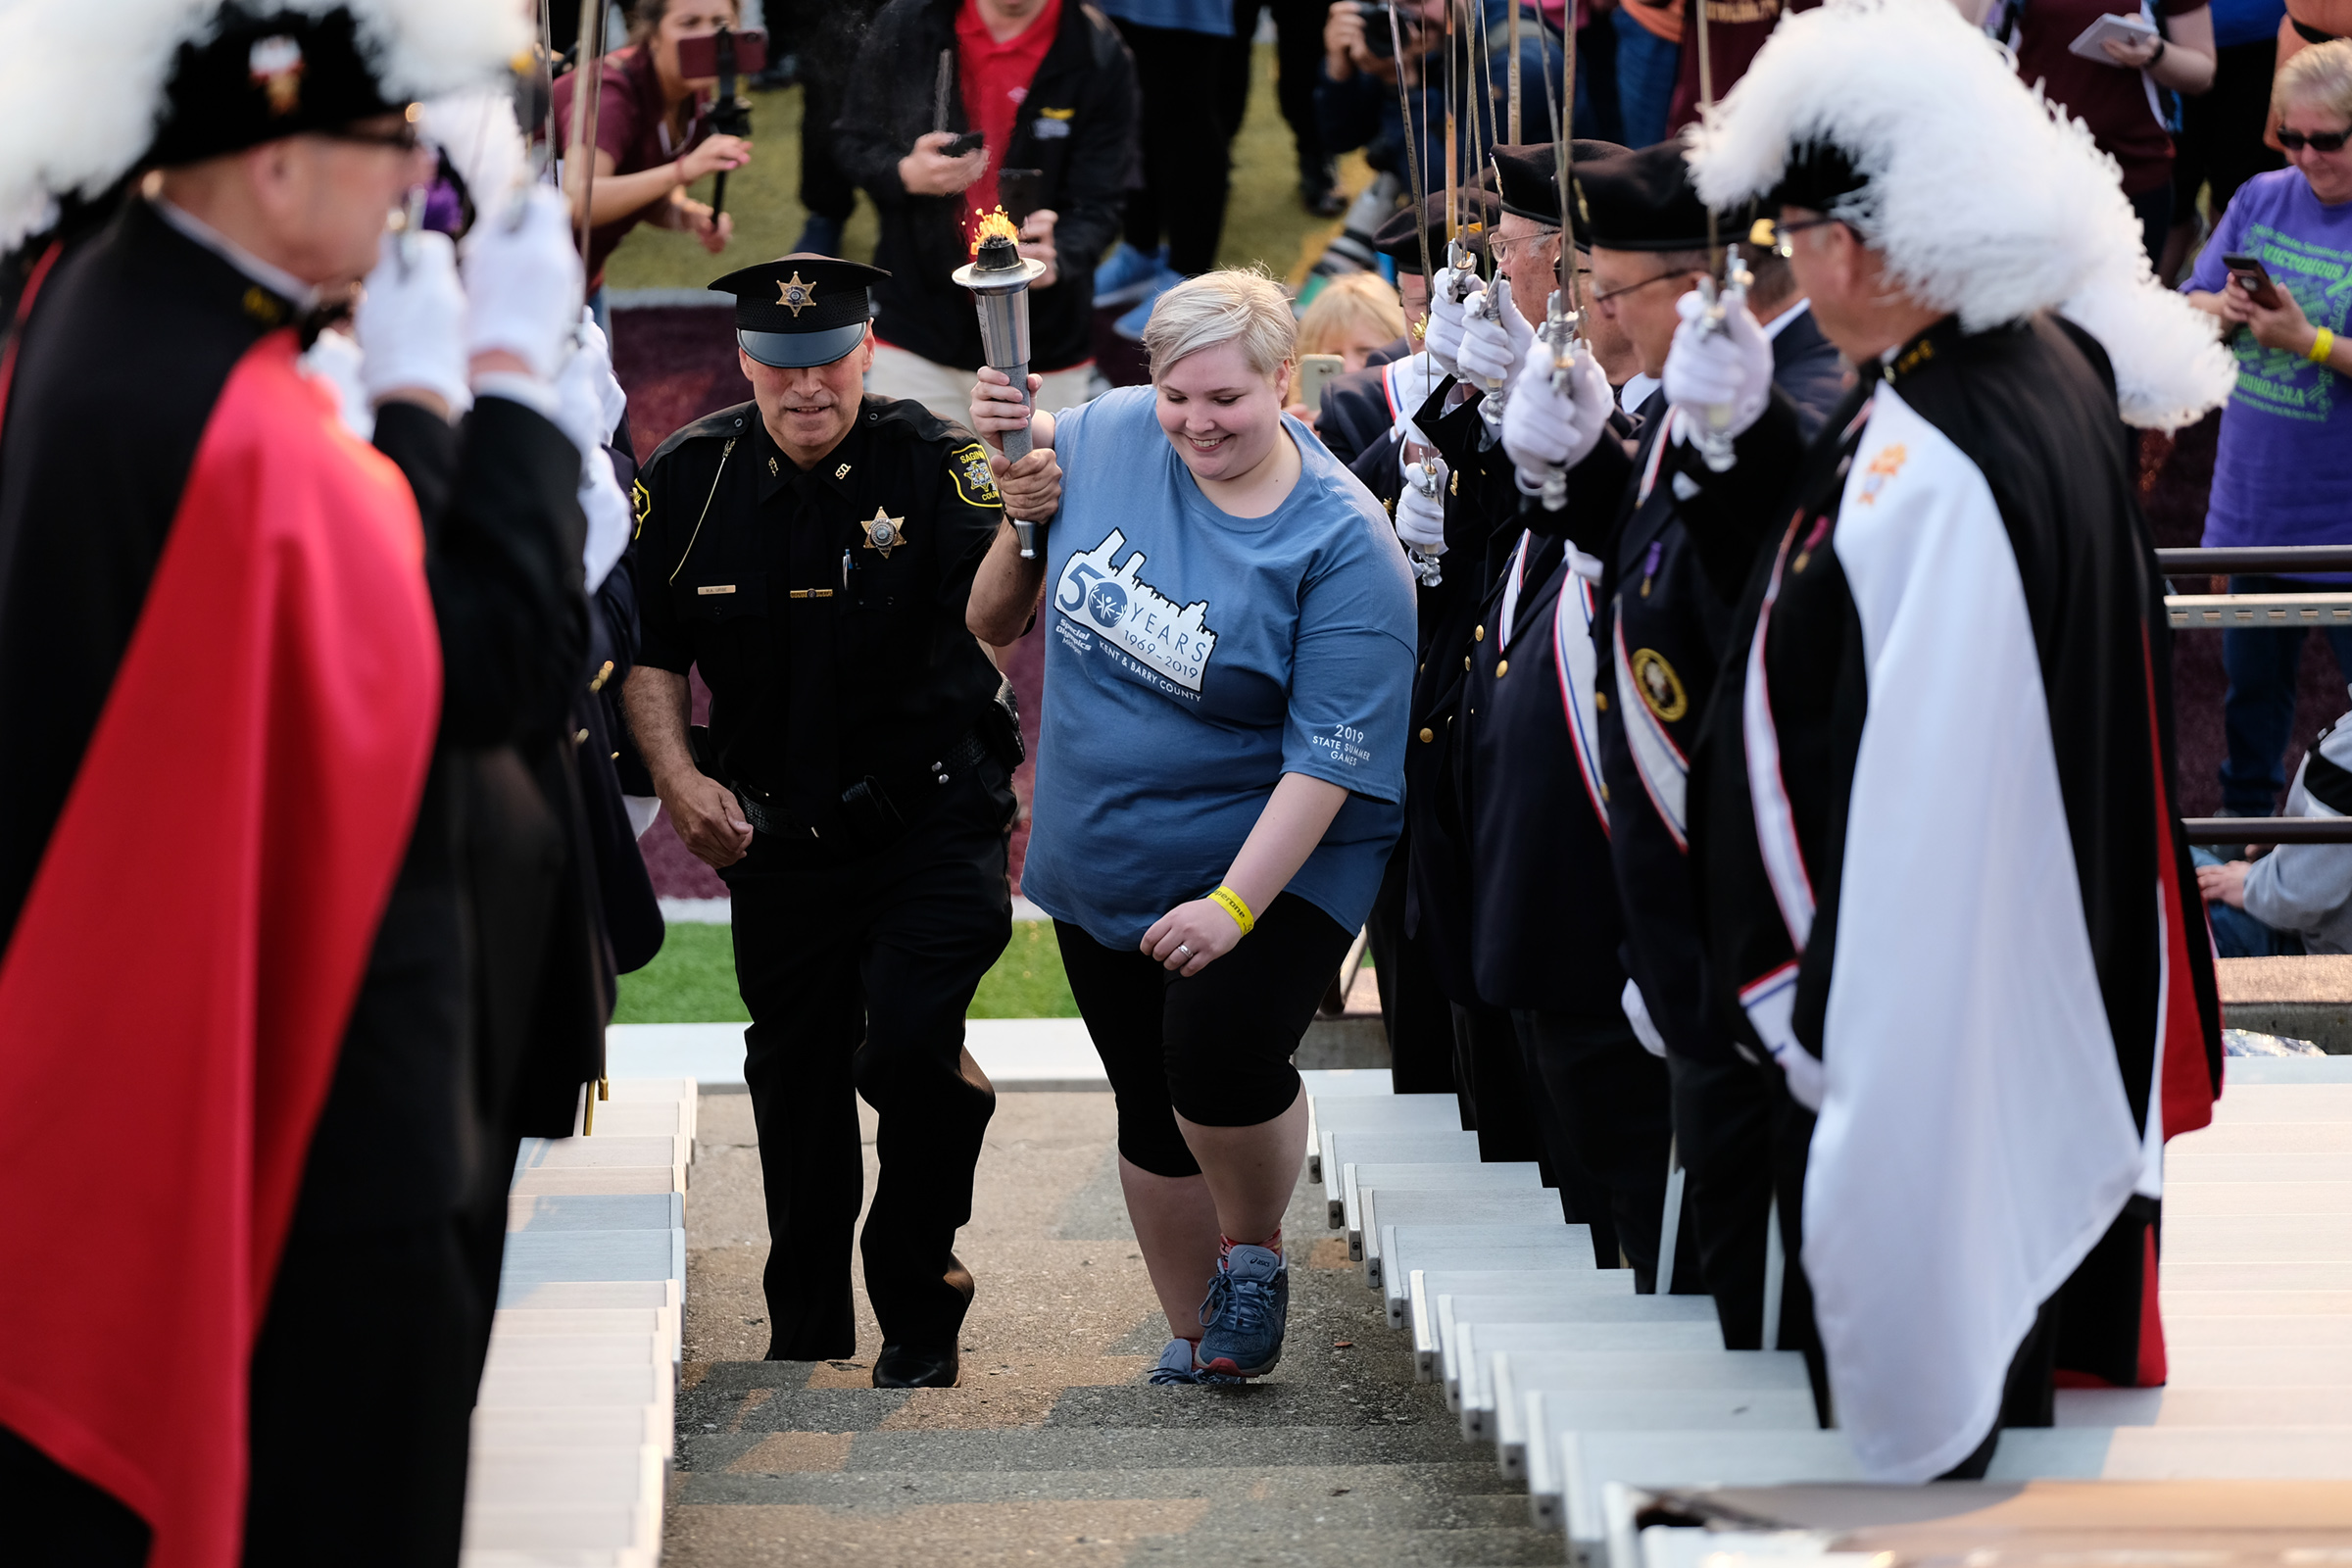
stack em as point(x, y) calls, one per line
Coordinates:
point(2323, 344)
point(1231, 903)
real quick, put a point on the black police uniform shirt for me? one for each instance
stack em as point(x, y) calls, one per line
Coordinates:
point(824, 606)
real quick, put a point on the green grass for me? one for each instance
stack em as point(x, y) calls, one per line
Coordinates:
point(693, 980)
point(1264, 223)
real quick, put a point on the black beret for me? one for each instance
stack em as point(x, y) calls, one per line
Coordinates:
point(1399, 238)
point(1642, 200)
point(801, 309)
point(1524, 175)
point(263, 74)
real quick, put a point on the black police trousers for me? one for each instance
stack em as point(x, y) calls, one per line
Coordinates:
point(856, 977)
point(1603, 1105)
point(1724, 1117)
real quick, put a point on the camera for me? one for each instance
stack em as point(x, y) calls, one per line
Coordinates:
point(1377, 36)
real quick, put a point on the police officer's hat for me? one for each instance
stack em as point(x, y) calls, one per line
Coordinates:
point(1642, 200)
point(1399, 238)
point(801, 310)
point(1523, 174)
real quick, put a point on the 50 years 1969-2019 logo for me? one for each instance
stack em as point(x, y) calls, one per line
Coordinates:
point(1098, 590)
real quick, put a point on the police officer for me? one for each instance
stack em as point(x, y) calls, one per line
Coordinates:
point(811, 551)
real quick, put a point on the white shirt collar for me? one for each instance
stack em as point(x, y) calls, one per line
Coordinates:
point(1774, 327)
point(277, 279)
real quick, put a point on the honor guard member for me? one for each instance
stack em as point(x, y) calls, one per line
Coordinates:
point(810, 552)
point(1952, 664)
point(1665, 604)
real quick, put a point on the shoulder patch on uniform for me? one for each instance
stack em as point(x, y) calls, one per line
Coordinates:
point(973, 480)
point(641, 502)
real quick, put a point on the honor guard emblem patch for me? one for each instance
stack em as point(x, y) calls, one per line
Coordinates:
point(973, 481)
point(1882, 467)
point(276, 65)
point(884, 532)
point(795, 295)
point(1661, 688)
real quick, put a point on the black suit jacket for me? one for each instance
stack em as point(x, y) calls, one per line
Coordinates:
point(1807, 366)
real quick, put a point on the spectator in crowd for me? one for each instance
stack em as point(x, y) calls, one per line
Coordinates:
point(2221, 141)
point(1356, 100)
point(2309, 22)
point(1297, 54)
point(2279, 477)
point(1736, 30)
point(1187, 54)
point(2121, 97)
point(1049, 87)
point(1649, 63)
point(1353, 317)
point(1203, 908)
point(2298, 898)
point(826, 38)
point(653, 137)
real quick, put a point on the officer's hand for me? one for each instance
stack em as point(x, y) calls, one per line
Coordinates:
point(928, 171)
point(1445, 336)
point(1031, 487)
point(1546, 429)
point(411, 323)
point(522, 282)
point(709, 821)
point(997, 407)
point(1190, 937)
point(1421, 504)
point(589, 400)
point(1492, 350)
point(1721, 380)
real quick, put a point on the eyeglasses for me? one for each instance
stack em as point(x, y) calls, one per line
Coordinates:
point(1679, 271)
point(2319, 142)
point(405, 139)
point(1781, 245)
point(1500, 249)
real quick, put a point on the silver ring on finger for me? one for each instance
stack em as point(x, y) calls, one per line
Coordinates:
point(1181, 948)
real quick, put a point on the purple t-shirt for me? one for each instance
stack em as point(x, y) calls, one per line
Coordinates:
point(2280, 476)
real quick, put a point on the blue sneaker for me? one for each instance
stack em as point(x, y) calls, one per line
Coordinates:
point(1248, 1307)
point(1128, 274)
point(1131, 325)
point(1176, 1366)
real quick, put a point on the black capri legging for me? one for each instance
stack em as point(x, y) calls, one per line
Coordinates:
point(1215, 1047)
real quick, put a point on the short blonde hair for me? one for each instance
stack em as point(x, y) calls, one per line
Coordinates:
point(1228, 305)
point(1346, 305)
point(2319, 76)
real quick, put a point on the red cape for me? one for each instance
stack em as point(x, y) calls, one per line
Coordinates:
point(180, 976)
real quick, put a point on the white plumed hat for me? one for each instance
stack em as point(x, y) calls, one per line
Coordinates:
point(88, 87)
point(1986, 200)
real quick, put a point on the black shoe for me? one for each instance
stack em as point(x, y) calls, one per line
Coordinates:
point(899, 1367)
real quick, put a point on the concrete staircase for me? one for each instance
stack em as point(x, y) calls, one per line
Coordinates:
point(1604, 1402)
point(573, 1432)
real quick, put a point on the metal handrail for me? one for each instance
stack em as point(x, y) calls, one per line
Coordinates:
point(2254, 559)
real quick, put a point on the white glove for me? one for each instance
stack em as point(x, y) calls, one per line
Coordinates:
point(609, 518)
point(1545, 429)
point(411, 322)
point(1421, 513)
point(1707, 370)
point(335, 359)
point(1443, 340)
point(586, 392)
point(1637, 1013)
point(522, 282)
point(1491, 351)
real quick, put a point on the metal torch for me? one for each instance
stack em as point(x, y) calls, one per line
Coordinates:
point(999, 277)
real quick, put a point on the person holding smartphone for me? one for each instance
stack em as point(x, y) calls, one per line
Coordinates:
point(2278, 476)
point(653, 137)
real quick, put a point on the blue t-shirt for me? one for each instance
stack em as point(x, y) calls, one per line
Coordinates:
point(1212, 17)
point(2281, 475)
point(1191, 658)
point(2237, 21)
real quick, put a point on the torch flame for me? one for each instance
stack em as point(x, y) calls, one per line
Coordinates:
point(991, 223)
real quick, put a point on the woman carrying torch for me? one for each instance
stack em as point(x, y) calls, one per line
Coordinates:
point(1219, 775)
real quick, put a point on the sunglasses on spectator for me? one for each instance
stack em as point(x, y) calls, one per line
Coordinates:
point(2319, 142)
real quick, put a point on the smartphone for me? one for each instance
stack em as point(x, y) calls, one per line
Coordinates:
point(2254, 278)
point(698, 58)
point(971, 141)
point(1315, 372)
point(1020, 192)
